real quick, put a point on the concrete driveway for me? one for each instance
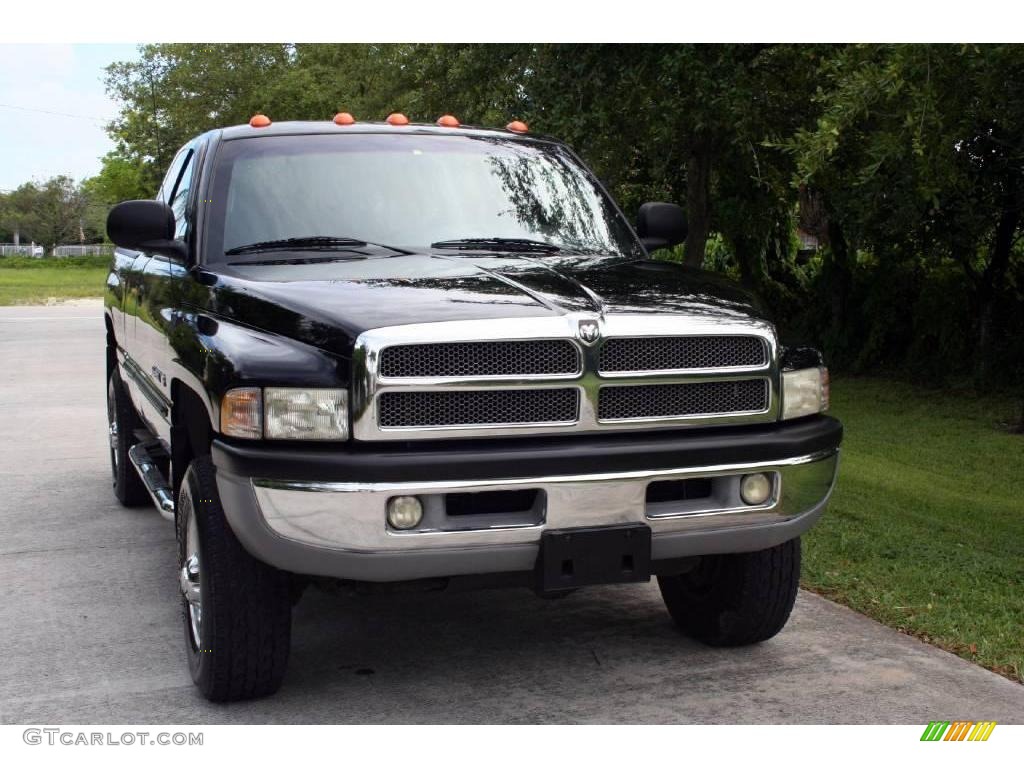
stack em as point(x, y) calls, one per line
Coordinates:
point(91, 630)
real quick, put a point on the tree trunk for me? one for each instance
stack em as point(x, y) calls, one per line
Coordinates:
point(842, 277)
point(698, 204)
point(749, 252)
point(991, 282)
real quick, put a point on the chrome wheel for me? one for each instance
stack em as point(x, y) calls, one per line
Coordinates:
point(189, 580)
point(112, 425)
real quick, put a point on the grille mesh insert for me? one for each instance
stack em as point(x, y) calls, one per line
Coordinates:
point(505, 406)
point(481, 358)
point(681, 352)
point(666, 400)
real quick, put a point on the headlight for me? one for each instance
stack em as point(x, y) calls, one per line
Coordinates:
point(278, 413)
point(305, 414)
point(804, 392)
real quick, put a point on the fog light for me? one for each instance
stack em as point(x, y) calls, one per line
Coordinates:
point(404, 512)
point(755, 489)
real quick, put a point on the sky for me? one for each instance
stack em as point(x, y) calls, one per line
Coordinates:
point(37, 80)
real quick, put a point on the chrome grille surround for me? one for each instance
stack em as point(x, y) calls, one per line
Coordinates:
point(369, 384)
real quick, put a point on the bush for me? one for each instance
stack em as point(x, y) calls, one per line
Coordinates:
point(70, 262)
point(906, 320)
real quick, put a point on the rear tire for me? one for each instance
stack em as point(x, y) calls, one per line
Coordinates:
point(122, 423)
point(239, 638)
point(735, 599)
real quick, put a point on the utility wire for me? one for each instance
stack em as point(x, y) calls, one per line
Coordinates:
point(51, 112)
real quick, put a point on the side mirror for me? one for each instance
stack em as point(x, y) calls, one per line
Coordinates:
point(661, 225)
point(145, 225)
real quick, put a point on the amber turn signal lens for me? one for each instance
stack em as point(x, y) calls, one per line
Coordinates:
point(259, 121)
point(448, 121)
point(397, 118)
point(518, 126)
point(241, 413)
point(344, 118)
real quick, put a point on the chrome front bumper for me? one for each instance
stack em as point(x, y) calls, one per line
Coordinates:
point(339, 529)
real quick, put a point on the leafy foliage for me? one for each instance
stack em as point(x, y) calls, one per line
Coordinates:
point(918, 152)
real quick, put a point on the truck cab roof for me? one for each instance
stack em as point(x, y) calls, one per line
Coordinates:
point(307, 127)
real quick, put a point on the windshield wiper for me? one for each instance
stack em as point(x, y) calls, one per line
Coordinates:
point(297, 260)
point(497, 244)
point(311, 243)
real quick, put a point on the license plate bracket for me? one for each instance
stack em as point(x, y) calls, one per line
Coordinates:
point(577, 557)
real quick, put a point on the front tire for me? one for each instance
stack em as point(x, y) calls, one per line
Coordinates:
point(236, 609)
point(735, 599)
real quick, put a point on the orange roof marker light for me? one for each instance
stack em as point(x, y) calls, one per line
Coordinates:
point(259, 120)
point(344, 118)
point(397, 118)
point(448, 121)
point(518, 126)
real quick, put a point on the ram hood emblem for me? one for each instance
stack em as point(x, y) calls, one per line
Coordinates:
point(589, 331)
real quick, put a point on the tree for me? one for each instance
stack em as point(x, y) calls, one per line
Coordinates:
point(49, 213)
point(120, 178)
point(677, 122)
point(919, 152)
point(18, 212)
point(690, 123)
point(175, 91)
point(61, 208)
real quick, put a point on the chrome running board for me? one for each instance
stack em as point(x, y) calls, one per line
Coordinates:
point(154, 480)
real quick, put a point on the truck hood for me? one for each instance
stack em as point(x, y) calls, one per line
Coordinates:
point(329, 303)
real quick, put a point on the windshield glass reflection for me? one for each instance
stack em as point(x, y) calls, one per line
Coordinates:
point(410, 191)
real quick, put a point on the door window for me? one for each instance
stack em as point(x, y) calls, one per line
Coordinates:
point(179, 198)
point(171, 178)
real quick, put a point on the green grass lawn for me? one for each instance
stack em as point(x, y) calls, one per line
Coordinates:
point(925, 532)
point(33, 281)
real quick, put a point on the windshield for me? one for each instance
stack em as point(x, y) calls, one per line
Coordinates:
point(409, 191)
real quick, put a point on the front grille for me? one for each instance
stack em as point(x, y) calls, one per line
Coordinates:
point(481, 358)
point(693, 399)
point(533, 376)
point(667, 353)
point(467, 408)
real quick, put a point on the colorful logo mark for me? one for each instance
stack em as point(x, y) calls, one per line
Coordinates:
point(958, 730)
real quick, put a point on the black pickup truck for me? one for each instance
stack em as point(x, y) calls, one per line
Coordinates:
point(440, 355)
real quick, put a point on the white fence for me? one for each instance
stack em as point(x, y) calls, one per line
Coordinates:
point(9, 249)
point(83, 250)
point(61, 251)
